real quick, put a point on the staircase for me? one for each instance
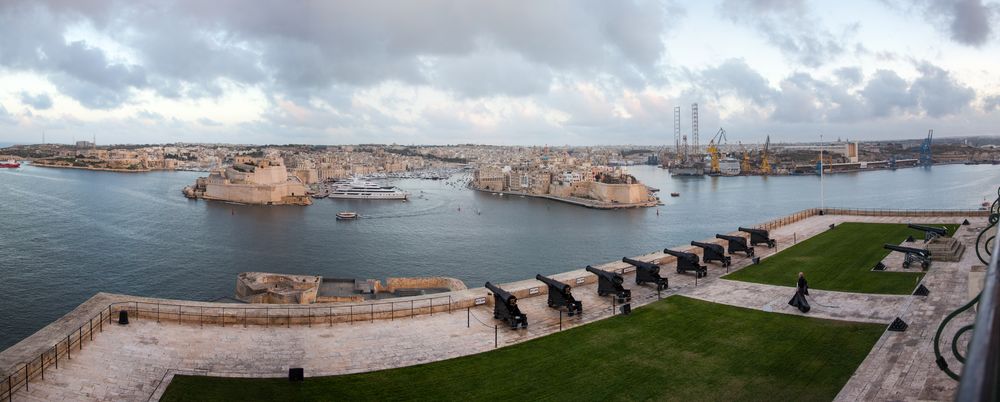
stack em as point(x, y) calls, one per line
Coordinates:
point(946, 249)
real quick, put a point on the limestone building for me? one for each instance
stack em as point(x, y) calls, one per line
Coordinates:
point(261, 181)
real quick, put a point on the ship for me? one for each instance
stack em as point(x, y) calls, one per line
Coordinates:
point(10, 164)
point(366, 190)
point(688, 169)
point(347, 216)
point(729, 167)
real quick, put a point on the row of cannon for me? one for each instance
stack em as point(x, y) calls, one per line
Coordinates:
point(560, 295)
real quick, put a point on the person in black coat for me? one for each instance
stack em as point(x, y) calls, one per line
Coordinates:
point(801, 290)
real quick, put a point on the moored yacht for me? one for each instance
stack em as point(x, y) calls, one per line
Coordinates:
point(366, 190)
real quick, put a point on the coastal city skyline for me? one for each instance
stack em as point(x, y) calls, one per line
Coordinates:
point(502, 73)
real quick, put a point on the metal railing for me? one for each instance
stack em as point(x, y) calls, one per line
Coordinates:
point(212, 315)
point(981, 369)
point(807, 213)
point(62, 349)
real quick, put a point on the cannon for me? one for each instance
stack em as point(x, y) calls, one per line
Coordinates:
point(912, 255)
point(560, 295)
point(647, 272)
point(505, 308)
point(713, 252)
point(736, 244)
point(610, 282)
point(688, 262)
point(759, 236)
point(930, 232)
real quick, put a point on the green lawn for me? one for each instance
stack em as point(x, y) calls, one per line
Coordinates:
point(841, 259)
point(675, 349)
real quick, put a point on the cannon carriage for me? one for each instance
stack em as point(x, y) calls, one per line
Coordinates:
point(561, 295)
point(647, 272)
point(736, 244)
point(913, 255)
point(713, 252)
point(610, 283)
point(688, 262)
point(759, 236)
point(505, 308)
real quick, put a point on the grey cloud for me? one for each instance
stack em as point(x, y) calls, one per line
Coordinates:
point(788, 25)
point(849, 75)
point(886, 93)
point(208, 122)
point(31, 39)
point(735, 76)
point(969, 22)
point(991, 103)
point(939, 93)
point(185, 47)
point(145, 114)
point(492, 73)
point(802, 98)
point(40, 101)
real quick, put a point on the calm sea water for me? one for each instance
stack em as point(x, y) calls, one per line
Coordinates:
point(67, 234)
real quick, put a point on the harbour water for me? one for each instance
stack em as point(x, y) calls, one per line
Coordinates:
point(67, 234)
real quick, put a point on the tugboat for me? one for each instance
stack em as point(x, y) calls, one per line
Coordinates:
point(347, 216)
point(10, 164)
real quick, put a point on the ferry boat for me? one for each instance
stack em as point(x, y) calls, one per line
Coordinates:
point(366, 190)
point(10, 164)
point(347, 216)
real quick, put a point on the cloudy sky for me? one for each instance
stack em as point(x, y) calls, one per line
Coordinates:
point(500, 72)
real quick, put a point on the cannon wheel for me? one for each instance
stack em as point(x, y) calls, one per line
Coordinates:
point(602, 294)
point(925, 264)
point(679, 270)
point(906, 264)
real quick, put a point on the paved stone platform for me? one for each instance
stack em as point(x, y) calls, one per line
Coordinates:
point(135, 362)
point(901, 366)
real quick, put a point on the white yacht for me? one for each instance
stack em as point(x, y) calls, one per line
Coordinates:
point(366, 190)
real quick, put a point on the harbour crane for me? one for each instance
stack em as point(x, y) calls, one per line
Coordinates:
point(745, 163)
point(925, 149)
point(765, 165)
point(713, 149)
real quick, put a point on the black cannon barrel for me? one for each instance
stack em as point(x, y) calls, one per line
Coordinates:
point(503, 294)
point(562, 287)
point(904, 249)
point(711, 246)
point(753, 230)
point(680, 254)
point(936, 230)
point(736, 244)
point(611, 276)
point(640, 264)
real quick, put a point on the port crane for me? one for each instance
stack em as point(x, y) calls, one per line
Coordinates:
point(713, 148)
point(925, 149)
point(745, 163)
point(765, 165)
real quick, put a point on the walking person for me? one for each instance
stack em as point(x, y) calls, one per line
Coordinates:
point(801, 290)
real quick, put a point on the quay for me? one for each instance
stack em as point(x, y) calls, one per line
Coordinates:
point(583, 202)
point(86, 355)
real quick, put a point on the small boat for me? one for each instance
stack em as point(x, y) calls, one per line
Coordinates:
point(11, 164)
point(675, 194)
point(347, 216)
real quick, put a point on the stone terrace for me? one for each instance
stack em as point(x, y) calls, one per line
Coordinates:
point(135, 362)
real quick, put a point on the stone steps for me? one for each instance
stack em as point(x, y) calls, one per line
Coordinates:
point(946, 249)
